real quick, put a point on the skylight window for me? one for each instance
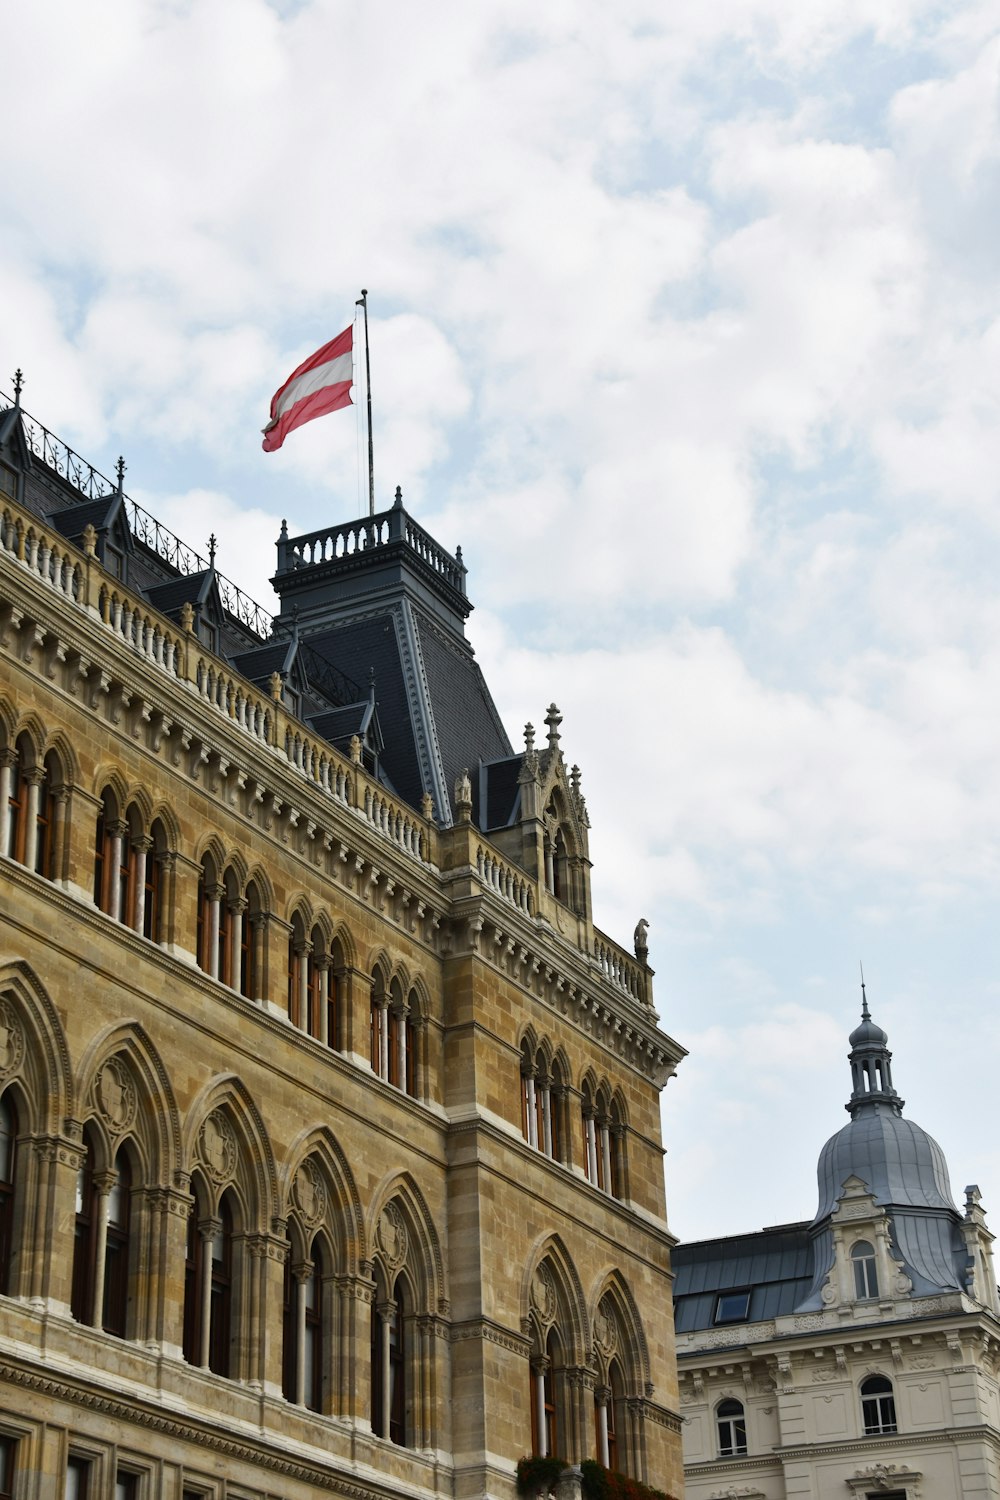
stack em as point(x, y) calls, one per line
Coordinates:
point(732, 1307)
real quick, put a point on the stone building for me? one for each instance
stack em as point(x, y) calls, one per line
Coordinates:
point(330, 1154)
point(856, 1356)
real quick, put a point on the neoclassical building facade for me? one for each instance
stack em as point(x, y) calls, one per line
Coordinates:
point(330, 1156)
point(856, 1356)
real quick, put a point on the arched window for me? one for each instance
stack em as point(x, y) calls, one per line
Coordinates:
point(221, 1300)
point(731, 1425)
point(878, 1407)
point(616, 1387)
point(302, 1347)
point(208, 1285)
point(594, 1155)
point(300, 972)
point(388, 1365)
point(865, 1271)
point(100, 1287)
point(84, 1237)
point(116, 1251)
point(111, 860)
point(8, 1169)
point(219, 904)
point(44, 834)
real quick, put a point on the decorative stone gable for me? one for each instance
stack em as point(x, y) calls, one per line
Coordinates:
point(858, 1220)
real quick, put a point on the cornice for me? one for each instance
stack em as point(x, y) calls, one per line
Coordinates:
point(210, 1437)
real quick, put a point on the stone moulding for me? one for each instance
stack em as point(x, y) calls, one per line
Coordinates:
point(218, 1441)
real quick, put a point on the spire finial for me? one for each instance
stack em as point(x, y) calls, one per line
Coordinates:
point(399, 497)
point(865, 1014)
point(18, 384)
point(120, 471)
point(212, 544)
point(553, 719)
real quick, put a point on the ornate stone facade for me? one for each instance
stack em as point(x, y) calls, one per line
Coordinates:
point(273, 1221)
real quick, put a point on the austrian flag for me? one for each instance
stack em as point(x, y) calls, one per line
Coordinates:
point(321, 383)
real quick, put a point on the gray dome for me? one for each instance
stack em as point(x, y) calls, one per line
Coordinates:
point(900, 1163)
point(868, 1035)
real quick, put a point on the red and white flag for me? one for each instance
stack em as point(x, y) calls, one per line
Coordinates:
point(321, 383)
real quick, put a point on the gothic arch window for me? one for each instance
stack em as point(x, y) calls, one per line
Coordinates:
point(111, 859)
point(299, 973)
point(116, 1249)
point(390, 1364)
point(543, 1095)
point(731, 1428)
point(878, 1406)
point(620, 1361)
point(27, 803)
point(555, 1335)
point(209, 1281)
point(335, 996)
point(102, 1240)
point(222, 924)
point(8, 1180)
point(305, 1322)
point(865, 1271)
point(251, 919)
point(403, 1348)
point(603, 1124)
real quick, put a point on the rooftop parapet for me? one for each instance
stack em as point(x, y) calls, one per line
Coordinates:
point(321, 572)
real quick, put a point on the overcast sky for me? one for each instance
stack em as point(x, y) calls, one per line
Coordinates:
point(685, 323)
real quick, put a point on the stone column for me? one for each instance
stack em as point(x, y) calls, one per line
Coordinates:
point(214, 894)
point(8, 760)
point(603, 1397)
point(301, 1273)
point(103, 1182)
point(588, 1115)
point(383, 1039)
point(33, 778)
point(303, 950)
point(208, 1230)
point(403, 1013)
point(117, 834)
point(530, 1108)
point(237, 907)
point(546, 1092)
point(322, 963)
point(59, 799)
point(386, 1312)
point(606, 1155)
point(258, 928)
point(539, 1369)
point(141, 846)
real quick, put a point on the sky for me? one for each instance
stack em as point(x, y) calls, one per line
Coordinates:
point(685, 324)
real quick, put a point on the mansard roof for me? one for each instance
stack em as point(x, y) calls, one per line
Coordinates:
point(774, 1265)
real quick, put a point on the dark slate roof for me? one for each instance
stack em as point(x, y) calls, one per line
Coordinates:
point(353, 648)
point(775, 1265)
point(73, 520)
point(341, 723)
point(465, 717)
point(188, 589)
point(897, 1161)
point(263, 660)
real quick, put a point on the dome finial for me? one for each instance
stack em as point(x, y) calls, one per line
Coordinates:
point(865, 1013)
point(871, 1065)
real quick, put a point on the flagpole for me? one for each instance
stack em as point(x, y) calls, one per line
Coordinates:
point(363, 303)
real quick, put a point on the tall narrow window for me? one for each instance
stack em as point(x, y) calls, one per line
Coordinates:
point(375, 1030)
point(116, 1254)
point(7, 1451)
point(221, 1293)
point(16, 816)
point(84, 1240)
point(77, 1479)
point(43, 830)
point(878, 1406)
point(731, 1425)
point(192, 1290)
point(393, 1019)
point(397, 1367)
point(614, 1407)
point(289, 1328)
point(333, 1009)
point(126, 1485)
point(549, 1391)
point(313, 1332)
point(8, 1164)
point(865, 1271)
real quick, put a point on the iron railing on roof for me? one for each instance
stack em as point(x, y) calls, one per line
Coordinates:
point(93, 485)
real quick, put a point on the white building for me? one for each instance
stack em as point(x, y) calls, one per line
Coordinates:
point(857, 1355)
